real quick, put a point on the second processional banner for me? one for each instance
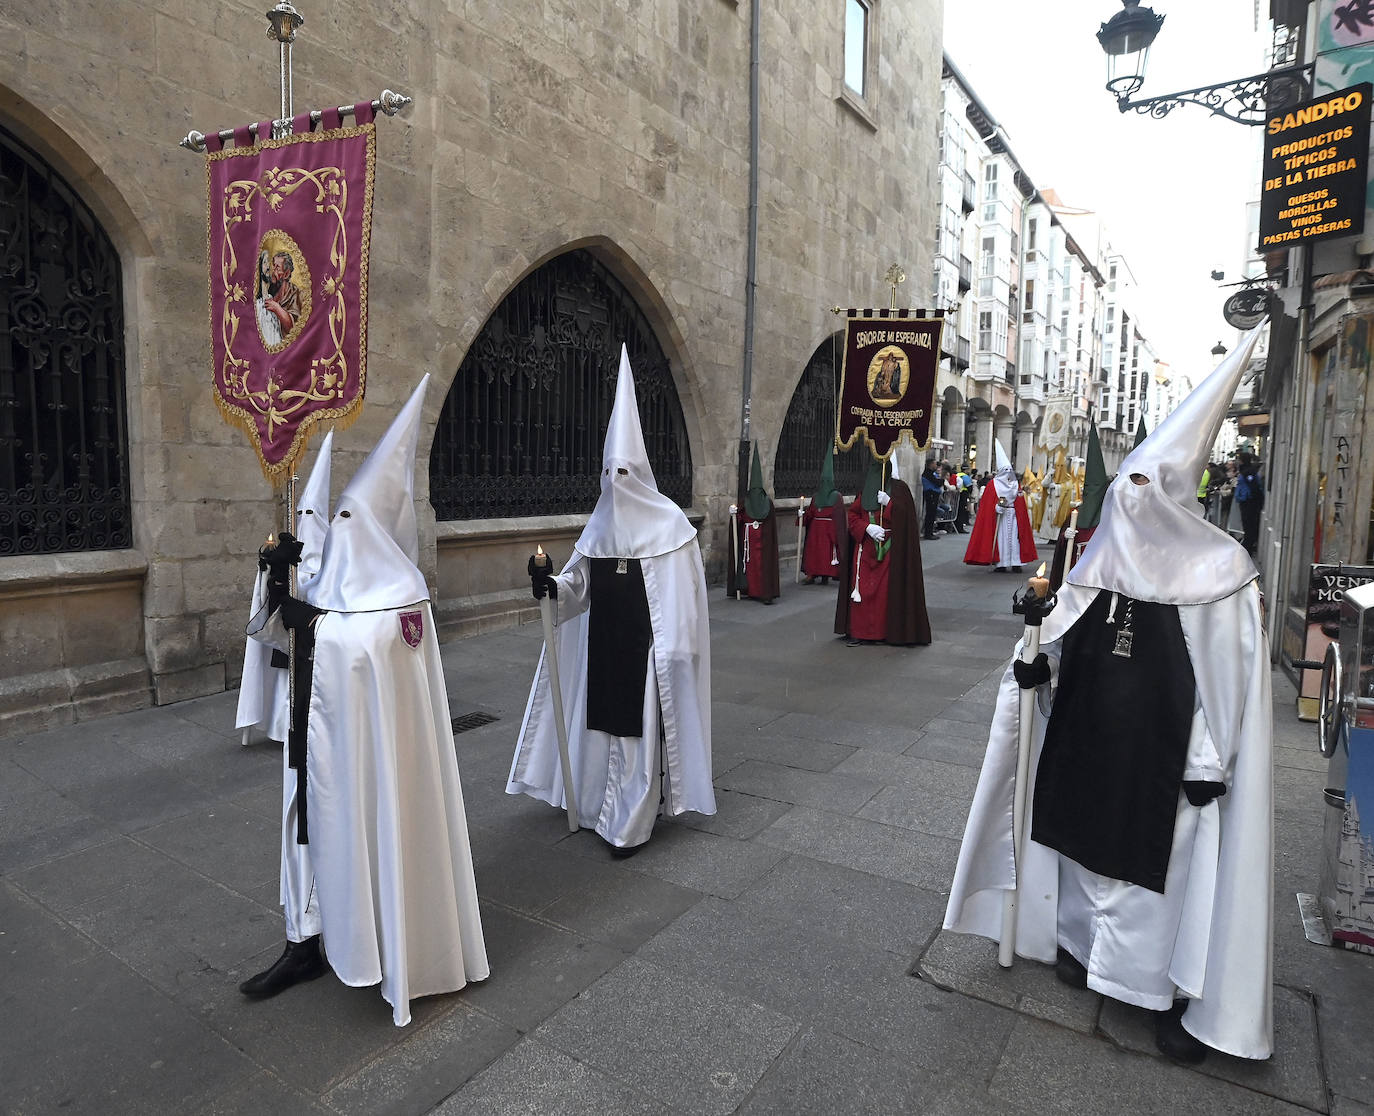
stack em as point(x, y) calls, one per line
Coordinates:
point(290, 221)
point(887, 381)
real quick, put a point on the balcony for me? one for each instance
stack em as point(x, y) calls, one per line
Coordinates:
point(961, 358)
point(965, 273)
point(970, 189)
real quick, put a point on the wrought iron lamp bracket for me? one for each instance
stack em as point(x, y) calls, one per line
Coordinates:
point(1247, 100)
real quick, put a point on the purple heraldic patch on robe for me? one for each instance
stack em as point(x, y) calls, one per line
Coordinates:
point(412, 627)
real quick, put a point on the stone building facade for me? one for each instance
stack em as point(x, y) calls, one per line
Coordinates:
point(615, 128)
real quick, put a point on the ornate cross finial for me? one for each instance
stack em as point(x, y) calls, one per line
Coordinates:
point(894, 275)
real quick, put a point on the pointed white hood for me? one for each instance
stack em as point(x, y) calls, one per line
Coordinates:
point(632, 518)
point(373, 543)
point(312, 513)
point(1004, 480)
point(1152, 542)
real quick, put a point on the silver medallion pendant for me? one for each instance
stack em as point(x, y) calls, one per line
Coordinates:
point(622, 565)
point(1123, 644)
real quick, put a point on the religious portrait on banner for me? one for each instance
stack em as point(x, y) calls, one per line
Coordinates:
point(289, 223)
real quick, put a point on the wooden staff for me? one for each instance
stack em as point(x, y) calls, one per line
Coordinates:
point(540, 562)
point(1033, 605)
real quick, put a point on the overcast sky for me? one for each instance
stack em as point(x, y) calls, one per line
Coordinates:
point(1172, 192)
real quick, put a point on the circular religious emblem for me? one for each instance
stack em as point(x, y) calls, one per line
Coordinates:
point(1056, 422)
point(887, 373)
point(1246, 308)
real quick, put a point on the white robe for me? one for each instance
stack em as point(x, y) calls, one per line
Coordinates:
point(1210, 935)
point(263, 687)
point(388, 832)
point(618, 785)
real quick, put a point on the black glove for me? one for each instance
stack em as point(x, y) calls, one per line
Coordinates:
point(542, 583)
point(1200, 791)
point(1031, 674)
point(278, 561)
point(297, 614)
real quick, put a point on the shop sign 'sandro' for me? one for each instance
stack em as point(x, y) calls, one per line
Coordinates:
point(1315, 163)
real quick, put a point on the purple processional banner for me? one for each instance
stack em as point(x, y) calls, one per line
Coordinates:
point(290, 221)
point(887, 381)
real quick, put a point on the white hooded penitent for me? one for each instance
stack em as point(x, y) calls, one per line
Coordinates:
point(1153, 543)
point(632, 518)
point(372, 546)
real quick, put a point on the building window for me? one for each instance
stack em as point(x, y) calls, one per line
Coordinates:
point(522, 429)
point(1030, 296)
point(64, 468)
point(1030, 235)
point(856, 15)
point(984, 331)
point(989, 261)
point(989, 181)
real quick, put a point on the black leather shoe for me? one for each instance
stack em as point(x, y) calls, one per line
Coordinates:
point(621, 852)
point(1173, 1041)
point(1068, 970)
point(299, 962)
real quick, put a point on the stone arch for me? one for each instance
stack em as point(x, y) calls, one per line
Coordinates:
point(809, 427)
point(521, 427)
point(649, 286)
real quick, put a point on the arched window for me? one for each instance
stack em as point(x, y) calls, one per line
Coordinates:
point(523, 425)
point(810, 427)
point(64, 471)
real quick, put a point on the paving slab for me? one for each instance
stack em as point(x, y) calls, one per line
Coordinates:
point(702, 1048)
point(809, 973)
point(739, 816)
point(536, 967)
point(103, 1041)
point(850, 905)
point(535, 1078)
point(919, 859)
point(692, 858)
point(825, 1073)
point(1056, 1069)
point(967, 964)
point(789, 751)
point(1294, 1072)
point(432, 1064)
point(923, 810)
point(842, 793)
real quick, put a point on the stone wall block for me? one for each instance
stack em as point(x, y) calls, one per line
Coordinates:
point(173, 642)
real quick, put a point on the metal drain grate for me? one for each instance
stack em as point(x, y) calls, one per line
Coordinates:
point(471, 721)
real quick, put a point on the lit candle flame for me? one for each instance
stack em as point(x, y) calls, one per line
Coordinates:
point(271, 540)
point(1041, 571)
point(538, 551)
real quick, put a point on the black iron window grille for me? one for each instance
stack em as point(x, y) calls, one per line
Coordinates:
point(810, 427)
point(522, 428)
point(64, 471)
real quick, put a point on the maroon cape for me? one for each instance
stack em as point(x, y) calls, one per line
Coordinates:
point(982, 541)
point(1063, 563)
point(827, 536)
point(893, 588)
point(757, 554)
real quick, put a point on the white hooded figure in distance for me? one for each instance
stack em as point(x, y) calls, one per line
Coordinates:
point(1148, 872)
point(264, 687)
point(634, 656)
point(387, 828)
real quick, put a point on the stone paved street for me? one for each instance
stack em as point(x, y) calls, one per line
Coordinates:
point(783, 956)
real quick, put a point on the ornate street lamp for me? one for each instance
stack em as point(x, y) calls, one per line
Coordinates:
point(1126, 39)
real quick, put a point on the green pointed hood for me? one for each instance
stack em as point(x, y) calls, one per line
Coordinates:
point(1140, 432)
point(1094, 481)
point(825, 491)
point(757, 505)
point(872, 482)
